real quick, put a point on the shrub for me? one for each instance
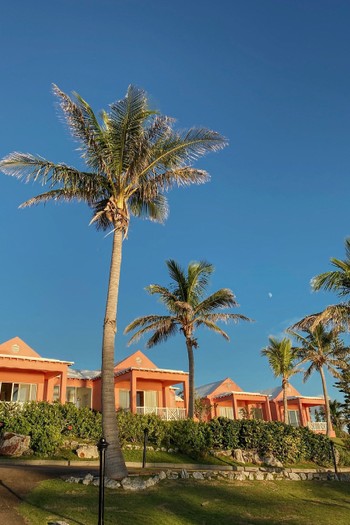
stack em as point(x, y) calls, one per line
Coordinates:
point(224, 433)
point(191, 437)
point(48, 425)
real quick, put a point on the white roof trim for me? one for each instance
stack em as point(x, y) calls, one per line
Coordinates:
point(40, 359)
point(305, 397)
point(124, 370)
point(225, 394)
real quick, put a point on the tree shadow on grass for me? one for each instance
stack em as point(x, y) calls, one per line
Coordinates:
point(39, 507)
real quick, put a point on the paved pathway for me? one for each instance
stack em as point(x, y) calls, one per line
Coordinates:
point(18, 480)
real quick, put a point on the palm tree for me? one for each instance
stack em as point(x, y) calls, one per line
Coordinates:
point(133, 156)
point(188, 309)
point(321, 349)
point(338, 280)
point(282, 359)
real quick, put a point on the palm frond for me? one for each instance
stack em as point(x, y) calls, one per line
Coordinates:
point(223, 298)
point(198, 274)
point(126, 126)
point(183, 148)
point(160, 324)
point(143, 321)
point(156, 208)
point(31, 168)
point(301, 339)
point(308, 372)
point(84, 126)
point(160, 127)
point(347, 249)
point(176, 177)
point(212, 326)
point(55, 195)
point(226, 318)
point(162, 334)
point(177, 274)
point(338, 281)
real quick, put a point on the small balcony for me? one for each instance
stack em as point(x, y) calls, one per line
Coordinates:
point(168, 414)
point(320, 426)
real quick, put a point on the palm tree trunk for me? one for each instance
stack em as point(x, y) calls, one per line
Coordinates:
point(115, 464)
point(285, 400)
point(326, 400)
point(190, 378)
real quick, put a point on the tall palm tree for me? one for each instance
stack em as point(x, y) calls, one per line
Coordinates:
point(133, 156)
point(189, 309)
point(282, 360)
point(321, 349)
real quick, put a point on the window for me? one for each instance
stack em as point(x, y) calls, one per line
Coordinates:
point(124, 399)
point(17, 392)
point(293, 418)
point(56, 393)
point(151, 398)
point(70, 394)
point(257, 413)
point(79, 396)
point(147, 398)
point(226, 412)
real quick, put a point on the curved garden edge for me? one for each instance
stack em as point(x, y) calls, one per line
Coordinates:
point(193, 471)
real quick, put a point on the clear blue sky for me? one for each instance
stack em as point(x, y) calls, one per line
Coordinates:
point(273, 76)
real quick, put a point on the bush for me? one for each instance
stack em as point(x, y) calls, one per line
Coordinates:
point(48, 424)
point(191, 437)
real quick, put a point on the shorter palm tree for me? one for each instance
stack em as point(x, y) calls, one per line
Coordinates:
point(322, 349)
point(282, 359)
point(188, 309)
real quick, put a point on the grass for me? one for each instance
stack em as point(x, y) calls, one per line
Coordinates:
point(157, 456)
point(185, 502)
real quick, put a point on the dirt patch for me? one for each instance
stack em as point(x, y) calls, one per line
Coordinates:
point(16, 481)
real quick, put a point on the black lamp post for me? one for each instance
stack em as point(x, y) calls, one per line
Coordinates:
point(145, 440)
point(102, 446)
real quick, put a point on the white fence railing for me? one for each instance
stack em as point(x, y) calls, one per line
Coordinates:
point(320, 426)
point(163, 413)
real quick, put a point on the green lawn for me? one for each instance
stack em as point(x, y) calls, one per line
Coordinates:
point(185, 502)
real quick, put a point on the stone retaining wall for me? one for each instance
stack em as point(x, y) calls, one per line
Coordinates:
point(241, 474)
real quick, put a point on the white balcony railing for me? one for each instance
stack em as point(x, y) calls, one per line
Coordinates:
point(163, 413)
point(320, 426)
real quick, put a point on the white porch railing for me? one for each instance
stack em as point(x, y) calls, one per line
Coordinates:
point(163, 413)
point(320, 426)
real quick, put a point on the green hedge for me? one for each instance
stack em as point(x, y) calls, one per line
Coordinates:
point(50, 424)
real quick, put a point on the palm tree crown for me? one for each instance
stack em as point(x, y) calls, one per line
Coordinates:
point(188, 309)
point(282, 359)
point(133, 156)
point(338, 280)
